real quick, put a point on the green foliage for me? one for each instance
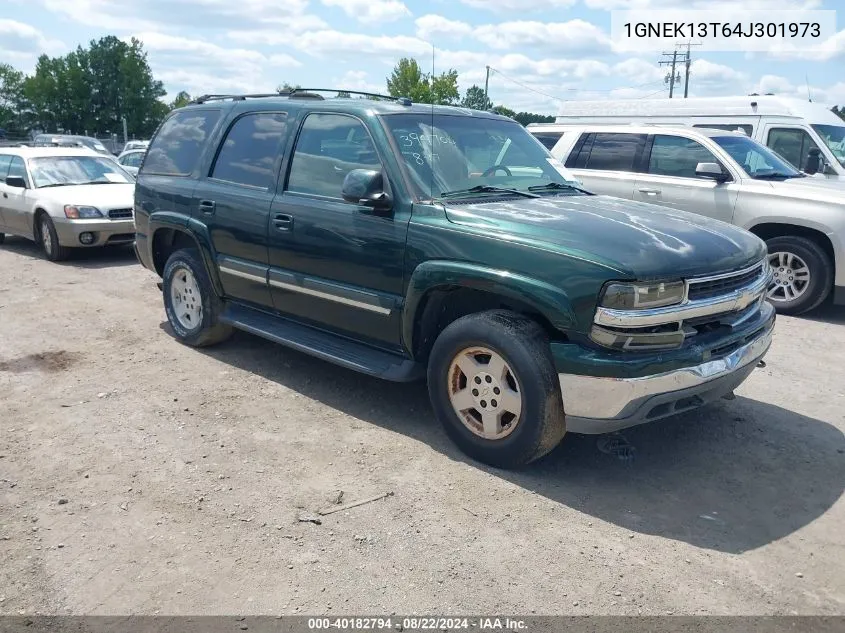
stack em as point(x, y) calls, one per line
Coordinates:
point(182, 99)
point(12, 102)
point(343, 94)
point(475, 99)
point(504, 111)
point(529, 117)
point(407, 80)
point(840, 112)
point(92, 89)
point(286, 87)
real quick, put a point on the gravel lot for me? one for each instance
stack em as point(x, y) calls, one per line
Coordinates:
point(141, 476)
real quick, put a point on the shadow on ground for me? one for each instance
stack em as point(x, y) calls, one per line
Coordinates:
point(102, 257)
point(732, 477)
point(826, 313)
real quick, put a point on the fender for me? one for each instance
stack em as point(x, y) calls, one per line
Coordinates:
point(548, 300)
point(197, 231)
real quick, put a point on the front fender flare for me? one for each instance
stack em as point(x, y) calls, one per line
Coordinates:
point(194, 229)
point(550, 301)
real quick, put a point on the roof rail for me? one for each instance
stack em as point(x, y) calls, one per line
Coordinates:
point(298, 93)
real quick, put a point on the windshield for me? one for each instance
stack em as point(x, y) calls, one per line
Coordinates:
point(757, 160)
point(477, 153)
point(834, 137)
point(76, 170)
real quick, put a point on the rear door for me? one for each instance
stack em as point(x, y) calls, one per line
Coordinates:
point(5, 161)
point(669, 179)
point(234, 202)
point(606, 162)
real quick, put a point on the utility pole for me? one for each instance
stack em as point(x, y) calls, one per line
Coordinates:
point(688, 62)
point(486, 85)
point(671, 77)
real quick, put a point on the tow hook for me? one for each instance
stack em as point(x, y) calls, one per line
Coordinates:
point(761, 364)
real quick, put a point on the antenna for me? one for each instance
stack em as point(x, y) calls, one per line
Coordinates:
point(431, 131)
point(809, 96)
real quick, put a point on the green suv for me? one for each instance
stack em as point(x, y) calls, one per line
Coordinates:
point(407, 241)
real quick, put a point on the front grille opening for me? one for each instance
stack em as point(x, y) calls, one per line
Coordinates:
point(120, 214)
point(708, 289)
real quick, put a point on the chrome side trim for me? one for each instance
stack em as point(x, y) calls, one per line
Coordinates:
point(606, 398)
point(330, 297)
point(243, 275)
point(730, 302)
point(735, 273)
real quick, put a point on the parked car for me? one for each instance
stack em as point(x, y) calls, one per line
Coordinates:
point(70, 140)
point(730, 177)
point(135, 145)
point(407, 241)
point(131, 159)
point(64, 198)
point(806, 134)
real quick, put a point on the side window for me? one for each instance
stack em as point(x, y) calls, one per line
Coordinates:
point(580, 151)
point(548, 139)
point(132, 160)
point(729, 127)
point(248, 155)
point(5, 161)
point(791, 143)
point(176, 149)
point(17, 168)
point(329, 147)
point(615, 151)
point(677, 156)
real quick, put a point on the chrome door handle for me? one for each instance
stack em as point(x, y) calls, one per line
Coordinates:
point(649, 191)
point(283, 221)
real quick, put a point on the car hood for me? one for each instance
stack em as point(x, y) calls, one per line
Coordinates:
point(107, 196)
point(817, 188)
point(643, 241)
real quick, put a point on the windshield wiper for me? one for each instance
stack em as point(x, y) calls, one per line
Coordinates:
point(59, 184)
point(555, 186)
point(486, 189)
point(775, 176)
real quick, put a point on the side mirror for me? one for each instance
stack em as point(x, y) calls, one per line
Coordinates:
point(712, 171)
point(16, 181)
point(814, 162)
point(366, 187)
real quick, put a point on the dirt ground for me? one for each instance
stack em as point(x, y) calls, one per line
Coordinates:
point(140, 476)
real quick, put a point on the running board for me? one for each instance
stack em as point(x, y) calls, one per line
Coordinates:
point(324, 345)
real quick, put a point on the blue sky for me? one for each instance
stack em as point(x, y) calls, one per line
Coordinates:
point(558, 49)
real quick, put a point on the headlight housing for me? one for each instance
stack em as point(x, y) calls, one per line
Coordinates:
point(642, 296)
point(79, 212)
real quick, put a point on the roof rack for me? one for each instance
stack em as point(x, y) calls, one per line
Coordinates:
point(299, 93)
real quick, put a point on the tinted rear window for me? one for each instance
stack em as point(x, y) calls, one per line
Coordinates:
point(176, 149)
point(615, 152)
point(548, 139)
point(249, 153)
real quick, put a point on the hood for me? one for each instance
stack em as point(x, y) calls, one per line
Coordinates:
point(108, 196)
point(644, 241)
point(830, 189)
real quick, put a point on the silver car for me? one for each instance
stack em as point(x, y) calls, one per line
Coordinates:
point(727, 176)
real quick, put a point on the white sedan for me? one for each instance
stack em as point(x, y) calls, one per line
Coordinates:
point(131, 160)
point(65, 198)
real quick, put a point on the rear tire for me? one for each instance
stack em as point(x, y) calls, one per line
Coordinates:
point(50, 239)
point(493, 386)
point(190, 302)
point(793, 258)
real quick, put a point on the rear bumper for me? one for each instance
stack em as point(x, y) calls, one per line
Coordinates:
point(104, 231)
point(595, 404)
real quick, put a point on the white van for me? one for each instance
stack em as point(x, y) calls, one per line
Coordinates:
point(806, 134)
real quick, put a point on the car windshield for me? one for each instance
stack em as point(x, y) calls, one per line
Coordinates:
point(475, 156)
point(76, 170)
point(834, 137)
point(757, 160)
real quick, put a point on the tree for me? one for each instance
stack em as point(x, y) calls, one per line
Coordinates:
point(12, 101)
point(182, 99)
point(343, 94)
point(504, 111)
point(407, 80)
point(529, 117)
point(475, 98)
point(286, 87)
point(93, 89)
point(840, 112)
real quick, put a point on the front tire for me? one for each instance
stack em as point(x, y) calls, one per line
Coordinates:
point(50, 239)
point(493, 386)
point(190, 302)
point(803, 274)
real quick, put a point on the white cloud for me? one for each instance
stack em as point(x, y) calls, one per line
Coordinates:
point(574, 35)
point(639, 71)
point(371, 11)
point(21, 44)
point(715, 5)
point(832, 48)
point(358, 80)
point(330, 42)
point(521, 6)
point(707, 74)
point(433, 27)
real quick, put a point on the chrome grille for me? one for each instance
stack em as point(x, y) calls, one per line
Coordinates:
point(120, 214)
point(724, 284)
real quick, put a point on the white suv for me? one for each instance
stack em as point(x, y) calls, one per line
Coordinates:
point(727, 176)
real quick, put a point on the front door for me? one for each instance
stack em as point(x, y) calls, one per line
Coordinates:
point(16, 211)
point(5, 160)
point(336, 264)
point(670, 179)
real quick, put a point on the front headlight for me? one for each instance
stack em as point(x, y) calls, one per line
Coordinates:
point(76, 212)
point(640, 296)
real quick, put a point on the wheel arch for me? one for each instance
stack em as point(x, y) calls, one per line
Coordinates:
point(768, 230)
point(441, 292)
point(169, 233)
